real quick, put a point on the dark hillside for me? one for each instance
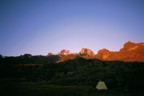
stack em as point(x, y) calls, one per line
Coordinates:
point(124, 76)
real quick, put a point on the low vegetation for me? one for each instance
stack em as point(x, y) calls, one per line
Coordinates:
point(28, 75)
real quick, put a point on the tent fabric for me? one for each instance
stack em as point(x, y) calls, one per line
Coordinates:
point(101, 86)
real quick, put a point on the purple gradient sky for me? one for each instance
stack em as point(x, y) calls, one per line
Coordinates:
point(42, 26)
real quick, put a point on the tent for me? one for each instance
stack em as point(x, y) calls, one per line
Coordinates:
point(101, 86)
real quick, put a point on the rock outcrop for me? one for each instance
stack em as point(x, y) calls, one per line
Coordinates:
point(67, 58)
point(86, 53)
point(131, 52)
point(63, 52)
point(103, 54)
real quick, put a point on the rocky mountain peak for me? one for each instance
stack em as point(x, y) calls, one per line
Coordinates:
point(103, 54)
point(64, 52)
point(86, 52)
point(131, 46)
point(130, 52)
point(103, 51)
point(128, 45)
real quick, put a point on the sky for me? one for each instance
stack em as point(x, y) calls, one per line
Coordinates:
point(38, 27)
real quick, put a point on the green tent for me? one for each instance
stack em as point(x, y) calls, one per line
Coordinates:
point(101, 86)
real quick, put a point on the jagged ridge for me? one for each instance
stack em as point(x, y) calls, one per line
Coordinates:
point(131, 52)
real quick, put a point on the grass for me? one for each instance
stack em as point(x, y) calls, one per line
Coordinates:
point(45, 89)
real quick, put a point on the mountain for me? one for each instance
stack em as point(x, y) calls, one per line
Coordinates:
point(131, 46)
point(67, 57)
point(63, 52)
point(84, 53)
point(131, 52)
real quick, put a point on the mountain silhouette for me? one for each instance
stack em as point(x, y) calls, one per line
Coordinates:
point(131, 52)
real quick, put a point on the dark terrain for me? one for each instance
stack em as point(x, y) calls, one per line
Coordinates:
point(28, 75)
